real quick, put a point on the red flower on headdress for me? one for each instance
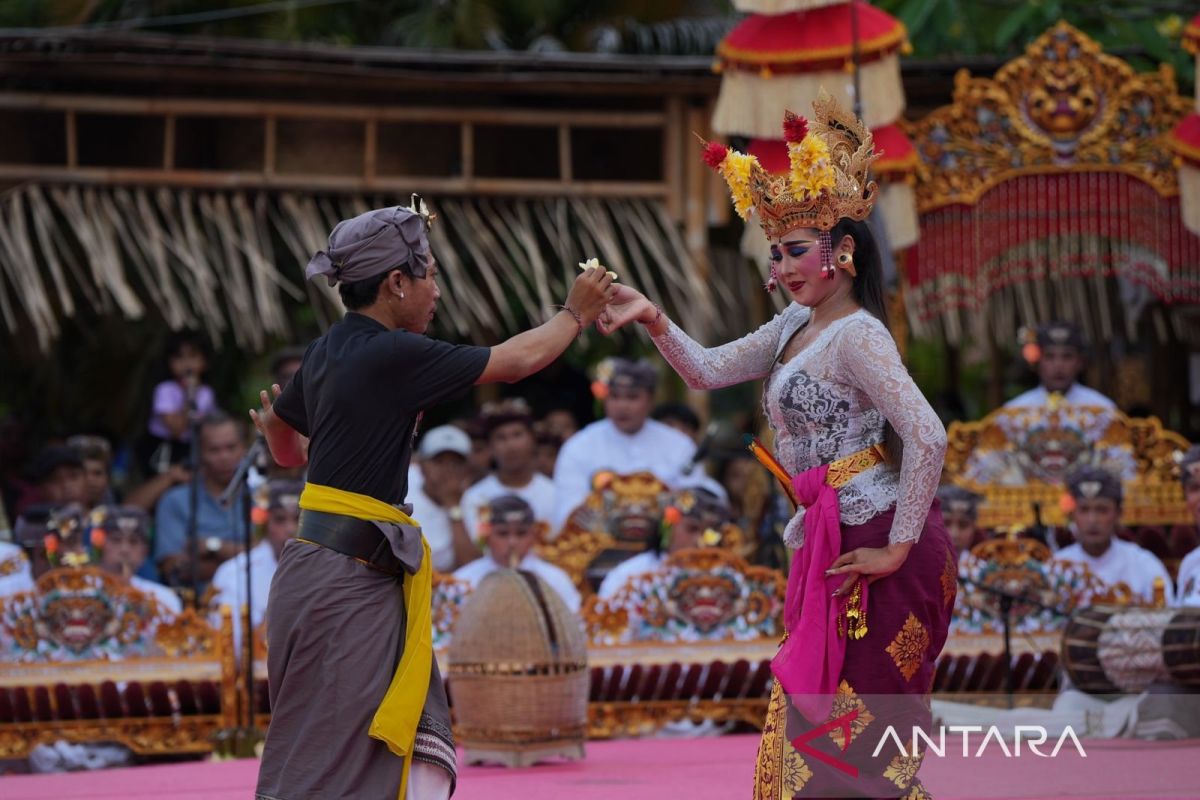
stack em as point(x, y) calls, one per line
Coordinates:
point(795, 128)
point(259, 515)
point(1066, 503)
point(599, 390)
point(50, 542)
point(714, 154)
point(99, 536)
point(672, 516)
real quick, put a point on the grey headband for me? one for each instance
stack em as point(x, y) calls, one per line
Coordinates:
point(375, 242)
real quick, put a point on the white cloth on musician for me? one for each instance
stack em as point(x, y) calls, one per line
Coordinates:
point(229, 581)
point(436, 527)
point(656, 448)
point(165, 597)
point(15, 574)
point(621, 574)
point(1188, 593)
point(539, 493)
point(1124, 562)
point(558, 580)
point(829, 401)
point(1077, 395)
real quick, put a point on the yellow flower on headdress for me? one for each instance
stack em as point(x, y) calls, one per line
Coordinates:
point(812, 167)
point(735, 169)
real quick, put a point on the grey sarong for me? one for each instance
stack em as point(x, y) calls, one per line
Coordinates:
point(335, 634)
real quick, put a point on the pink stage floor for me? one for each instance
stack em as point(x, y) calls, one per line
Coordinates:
point(703, 769)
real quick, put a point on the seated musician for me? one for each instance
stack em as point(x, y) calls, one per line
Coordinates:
point(121, 536)
point(625, 441)
point(693, 517)
point(960, 511)
point(1096, 495)
point(15, 574)
point(279, 516)
point(509, 530)
point(1059, 357)
point(1189, 568)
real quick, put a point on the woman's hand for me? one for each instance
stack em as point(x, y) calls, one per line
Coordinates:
point(874, 562)
point(629, 305)
point(590, 293)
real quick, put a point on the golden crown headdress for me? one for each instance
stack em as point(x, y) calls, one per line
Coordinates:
point(828, 177)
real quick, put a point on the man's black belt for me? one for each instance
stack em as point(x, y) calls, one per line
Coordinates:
point(351, 537)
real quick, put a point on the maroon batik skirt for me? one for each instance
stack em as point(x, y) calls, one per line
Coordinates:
point(887, 676)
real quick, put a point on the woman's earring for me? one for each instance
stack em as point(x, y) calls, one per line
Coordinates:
point(825, 243)
point(402, 295)
point(773, 282)
point(846, 262)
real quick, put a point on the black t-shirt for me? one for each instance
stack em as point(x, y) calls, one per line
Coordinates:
point(357, 396)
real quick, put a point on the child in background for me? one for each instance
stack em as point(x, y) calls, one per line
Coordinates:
point(176, 399)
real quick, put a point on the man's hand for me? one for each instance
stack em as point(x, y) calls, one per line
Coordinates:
point(590, 293)
point(262, 419)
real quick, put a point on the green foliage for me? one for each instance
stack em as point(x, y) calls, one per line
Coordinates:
point(1146, 32)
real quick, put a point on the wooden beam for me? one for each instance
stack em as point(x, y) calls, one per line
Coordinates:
point(209, 179)
point(468, 150)
point(168, 160)
point(325, 111)
point(696, 195)
point(370, 149)
point(564, 153)
point(270, 135)
point(72, 140)
point(672, 148)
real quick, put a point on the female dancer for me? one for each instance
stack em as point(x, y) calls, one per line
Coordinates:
point(864, 450)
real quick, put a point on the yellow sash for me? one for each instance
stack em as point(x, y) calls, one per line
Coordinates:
point(395, 722)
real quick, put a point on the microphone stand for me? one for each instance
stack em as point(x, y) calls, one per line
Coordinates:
point(246, 736)
point(1006, 600)
point(193, 491)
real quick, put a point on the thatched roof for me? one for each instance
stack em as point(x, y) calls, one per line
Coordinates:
point(230, 262)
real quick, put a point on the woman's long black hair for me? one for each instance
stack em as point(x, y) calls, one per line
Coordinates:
point(868, 291)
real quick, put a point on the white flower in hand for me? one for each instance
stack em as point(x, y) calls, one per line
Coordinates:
point(594, 263)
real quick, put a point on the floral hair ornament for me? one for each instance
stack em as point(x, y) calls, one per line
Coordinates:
point(1031, 351)
point(828, 178)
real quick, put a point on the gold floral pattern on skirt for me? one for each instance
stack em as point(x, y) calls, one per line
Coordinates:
point(847, 700)
point(779, 771)
point(903, 769)
point(949, 579)
point(918, 792)
point(909, 646)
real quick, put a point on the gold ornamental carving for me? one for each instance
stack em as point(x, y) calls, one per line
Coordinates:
point(1065, 105)
point(1016, 458)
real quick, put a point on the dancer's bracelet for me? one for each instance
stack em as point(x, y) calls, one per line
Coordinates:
point(578, 319)
point(657, 316)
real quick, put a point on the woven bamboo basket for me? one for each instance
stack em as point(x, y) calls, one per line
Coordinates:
point(518, 673)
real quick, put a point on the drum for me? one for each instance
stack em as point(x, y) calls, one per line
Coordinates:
point(1107, 649)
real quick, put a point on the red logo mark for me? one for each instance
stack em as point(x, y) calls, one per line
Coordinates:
point(843, 722)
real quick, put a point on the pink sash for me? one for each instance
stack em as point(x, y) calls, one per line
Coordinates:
point(809, 663)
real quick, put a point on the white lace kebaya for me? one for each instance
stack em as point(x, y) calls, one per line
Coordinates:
point(828, 402)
